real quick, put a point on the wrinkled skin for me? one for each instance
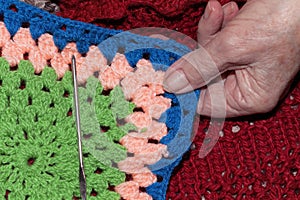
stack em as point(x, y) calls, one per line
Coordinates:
point(256, 49)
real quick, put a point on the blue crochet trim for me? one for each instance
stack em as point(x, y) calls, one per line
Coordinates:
point(179, 118)
point(42, 22)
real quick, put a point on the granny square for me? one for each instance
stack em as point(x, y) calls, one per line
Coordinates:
point(134, 133)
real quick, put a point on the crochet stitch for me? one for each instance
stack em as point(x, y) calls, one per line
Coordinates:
point(140, 125)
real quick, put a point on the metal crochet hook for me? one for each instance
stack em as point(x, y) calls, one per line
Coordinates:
point(82, 180)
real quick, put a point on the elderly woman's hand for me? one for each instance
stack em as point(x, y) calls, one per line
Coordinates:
point(256, 49)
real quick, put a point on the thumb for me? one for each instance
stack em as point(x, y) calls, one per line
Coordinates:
point(195, 69)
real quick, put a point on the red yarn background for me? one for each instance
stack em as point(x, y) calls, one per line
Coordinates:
point(260, 161)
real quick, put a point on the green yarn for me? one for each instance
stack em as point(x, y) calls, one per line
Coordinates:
point(103, 144)
point(38, 143)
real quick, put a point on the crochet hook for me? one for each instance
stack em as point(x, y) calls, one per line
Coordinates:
point(82, 180)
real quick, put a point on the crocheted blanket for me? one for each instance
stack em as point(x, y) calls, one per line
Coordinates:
point(256, 157)
point(134, 133)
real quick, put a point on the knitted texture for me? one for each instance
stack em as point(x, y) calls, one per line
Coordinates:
point(256, 158)
point(179, 15)
point(134, 133)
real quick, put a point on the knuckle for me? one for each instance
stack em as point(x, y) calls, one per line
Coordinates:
point(261, 104)
point(231, 46)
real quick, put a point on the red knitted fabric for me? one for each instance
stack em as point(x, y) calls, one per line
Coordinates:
point(257, 158)
point(180, 15)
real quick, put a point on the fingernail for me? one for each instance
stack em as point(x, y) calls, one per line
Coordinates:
point(207, 11)
point(176, 81)
point(228, 8)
